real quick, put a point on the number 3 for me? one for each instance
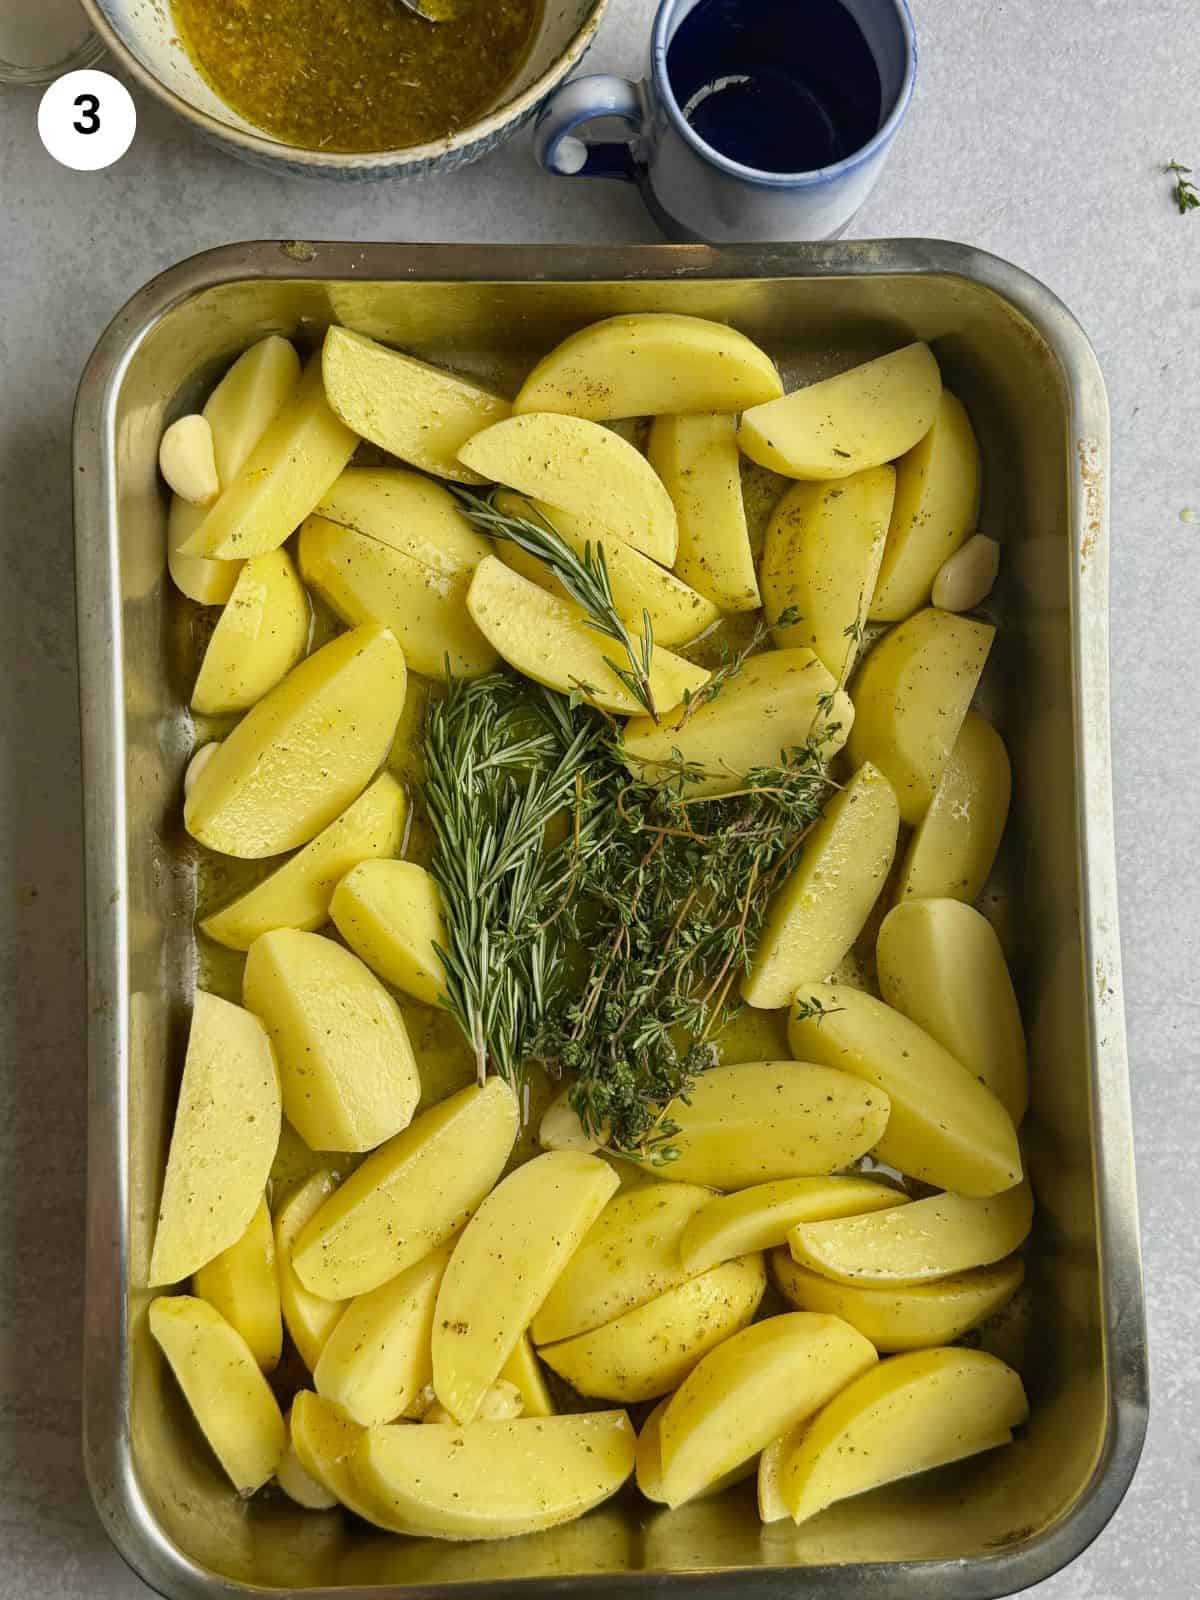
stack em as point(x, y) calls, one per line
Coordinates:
point(89, 122)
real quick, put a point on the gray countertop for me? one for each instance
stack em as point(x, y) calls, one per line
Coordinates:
point(1038, 131)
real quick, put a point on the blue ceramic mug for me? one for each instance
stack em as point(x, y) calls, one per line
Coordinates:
point(758, 120)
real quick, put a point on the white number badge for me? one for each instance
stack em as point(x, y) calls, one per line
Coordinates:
point(86, 120)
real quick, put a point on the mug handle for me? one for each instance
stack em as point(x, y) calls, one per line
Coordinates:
point(581, 101)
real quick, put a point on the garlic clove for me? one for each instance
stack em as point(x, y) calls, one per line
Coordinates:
point(965, 579)
point(197, 765)
point(187, 460)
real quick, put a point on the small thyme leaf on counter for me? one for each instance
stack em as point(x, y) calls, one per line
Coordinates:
point(1187, 197)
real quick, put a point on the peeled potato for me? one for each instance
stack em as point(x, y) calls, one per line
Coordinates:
point(501, 1403)
point(414, 411)
point(242, 1283)
point(941, 964)
point(390, 914)
point(524, 1370)
point(952, 851)
point(824, 545)
point(823, 903)
point(260, 636)
point(906, 1415)
point(910, 697)
point(944, 1127)
point(903, 1316)
point(649, 362)
point(860, 419)
point(696, 457)
point(296, 1483)
point(755, 1219)
point(325, 1439)
point(649, 1462)
point(310, 1318)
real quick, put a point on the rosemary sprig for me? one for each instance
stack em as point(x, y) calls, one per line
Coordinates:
point(1187, 197)
point(584, 577)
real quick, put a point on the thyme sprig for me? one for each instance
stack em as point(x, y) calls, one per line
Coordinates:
point(1187, 197)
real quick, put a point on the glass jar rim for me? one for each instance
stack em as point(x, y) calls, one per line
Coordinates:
point(37, 77)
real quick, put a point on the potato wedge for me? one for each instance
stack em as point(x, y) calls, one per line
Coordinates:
point(247, 399)
point(941, 964)
point(927, 1239)
point(630, 1255)
point(494, 1480)
point(524, 1370)
point(697, 459)
point(221, 1381)
point(561, 1127)
point(756, 1219)
point(823, 904)
point(404, 557)
point(411, 1195)
point(906, 1415)
point(259, 637)
point(305, 751)
point(310, 1318)
point(298, 894)
point(294, 462)
point(910, 697)
point(501, 1403)
point(761, 1121)
point(857, 420)
point(415, 411)
point(550, 641)
point(243, 1285)
point(390, 914)
point(645, 363)
point(953, 849)
point(773, 705)
point(603, 483)
point(379, 1356)
point(296, 1483)
point(945, 1127)
point(223, 1141)
point(649, 1462)
point(640, 587)
point(936, 508)
point(503, 1266)
point(822, 553)
point(903, 1316)
point(759, 1384)
point(325, 1439)
point(349, 1075)
point(649, 1351)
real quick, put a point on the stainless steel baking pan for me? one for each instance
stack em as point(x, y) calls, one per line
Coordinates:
point(1029, 377)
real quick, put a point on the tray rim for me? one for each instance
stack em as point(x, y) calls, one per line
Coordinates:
point(106, 1446)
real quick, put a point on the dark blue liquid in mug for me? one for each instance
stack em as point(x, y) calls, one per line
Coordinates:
point(778, 85)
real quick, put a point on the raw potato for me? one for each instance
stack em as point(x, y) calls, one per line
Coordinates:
point(304, 752)
point(247, 399)
point(952, 852)
point(860, 419)
point(349, 1075)
point(390, 914)
point(259, 637)
point(220, 1379)
point(639, 586)
point(378, 1357)
point(503, 1266)
point(648, 1352)
point(494, 1480)
point(296, 1482)
point(325, 1438)
point(824, 902)
point(771, 1507)
point(630, 1255)
point(415, 411)
point(298, 894)
point(293, 463)
point(524, 1371)
point(310, 1318)
point(501, 1403)
point(243, 1285)
point(770, 707)
point(223, 1142)
point(411, 1195)
point(598, 479)
point(697, 459)
point(945, 1127)
point(937, 507)
point(910, 697)
point(404, 557)
point(561, 1127)
point(649, 362)
point(824, 545)
point(941, 964)
point(904, 1416)
point(649, 1462)
point(551, 641)
point(756, 1386)
point(756, 1219)
point(903, 1317)
point(187, 460)
point(928, 1239)
point(764, 1120)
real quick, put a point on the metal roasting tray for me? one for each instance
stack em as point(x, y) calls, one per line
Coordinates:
point(1030, 380)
